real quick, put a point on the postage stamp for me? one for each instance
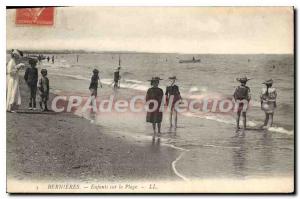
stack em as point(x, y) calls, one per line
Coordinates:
point(35, 16)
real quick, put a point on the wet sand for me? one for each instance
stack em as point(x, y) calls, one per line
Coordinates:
point(66, 147)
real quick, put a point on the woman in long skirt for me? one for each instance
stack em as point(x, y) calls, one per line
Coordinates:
point(13, 96)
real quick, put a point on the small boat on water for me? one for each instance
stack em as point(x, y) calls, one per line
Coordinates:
point(190, 61)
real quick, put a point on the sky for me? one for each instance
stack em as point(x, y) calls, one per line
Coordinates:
point(224, 30)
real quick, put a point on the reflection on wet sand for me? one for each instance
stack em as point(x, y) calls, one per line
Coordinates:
point(262, 147)
point(267, 155)
point(239, 156)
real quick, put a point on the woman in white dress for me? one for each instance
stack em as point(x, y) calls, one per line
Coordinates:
point(12, 77)
point(268, 102)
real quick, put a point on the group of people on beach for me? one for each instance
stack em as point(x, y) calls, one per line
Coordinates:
point(242, 93)
point(52, 59)
point(154, 93)
point(267, 97)
point(241, 96)
point(13, 97)
point(172, 97)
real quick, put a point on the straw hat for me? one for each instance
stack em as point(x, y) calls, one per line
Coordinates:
point(243, 79)
point(95, 71)
point(173, 77)
point(155, 79)
point(268, 82)
point(32, 60)
point(17, 52)
point(44, 71)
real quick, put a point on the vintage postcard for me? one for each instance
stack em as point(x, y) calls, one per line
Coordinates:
point(150, 99)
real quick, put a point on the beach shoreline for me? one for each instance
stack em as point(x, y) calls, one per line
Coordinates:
point(64, 146)
point(111, 147)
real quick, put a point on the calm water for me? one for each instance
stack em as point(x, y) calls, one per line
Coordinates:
point(212, 149)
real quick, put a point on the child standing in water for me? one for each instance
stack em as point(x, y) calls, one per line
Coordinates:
point(242, 96)
point(172, 96)
point(117, 78)
point(154, 114)
point(95, 80)
point(43, 86)
point(268, 102)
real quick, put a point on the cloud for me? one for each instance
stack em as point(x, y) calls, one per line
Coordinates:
point(161, 29)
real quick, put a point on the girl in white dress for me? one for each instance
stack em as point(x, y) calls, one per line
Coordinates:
point(12, 77)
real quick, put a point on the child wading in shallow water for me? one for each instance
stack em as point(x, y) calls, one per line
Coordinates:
point(117, 78)
point(268, 102)
point(154, 115)
point(172, 96)
point(94, 83)
point(43, 86)
point(242, 93)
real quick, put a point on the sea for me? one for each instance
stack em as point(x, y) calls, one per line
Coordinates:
point(208, 142)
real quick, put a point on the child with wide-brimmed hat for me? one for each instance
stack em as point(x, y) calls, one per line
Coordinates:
point(242, 96)
point(31, 78)
point(95, 80)
point(154, 113)
point(172, 97)
point(268, 102)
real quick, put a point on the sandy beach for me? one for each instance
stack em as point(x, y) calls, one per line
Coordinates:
point(63, 147)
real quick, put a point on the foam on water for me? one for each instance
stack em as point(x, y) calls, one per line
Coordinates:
point(194, 89)
point(59, 63)
point(128, 83)
point(79, 77)
point(281, 130)
point(141, 86)
point(133, 81)
point(231, 121)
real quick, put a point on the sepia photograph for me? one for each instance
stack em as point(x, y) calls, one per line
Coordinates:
point(150, 99)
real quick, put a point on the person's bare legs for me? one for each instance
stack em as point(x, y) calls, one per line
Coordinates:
point(41, 105)
point(244, 119)
point(175, 118)
point(171, 117)
point(158, 128)
point(238, 120)
point(45, 105)
point(154, 130)
point(270, 122)
point(244, 123)
point(266, 119)
point(93, 101)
